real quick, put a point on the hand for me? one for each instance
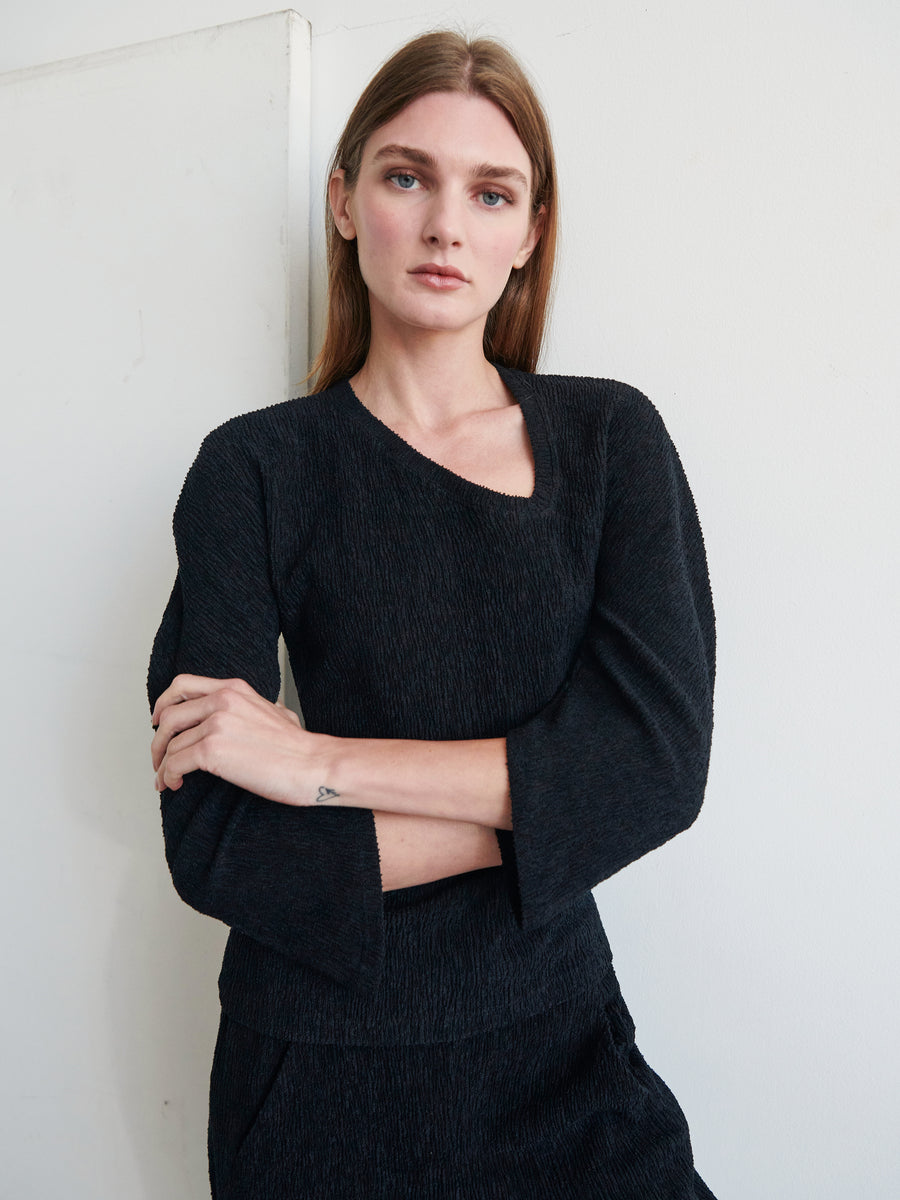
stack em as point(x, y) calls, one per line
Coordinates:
point(226, 728)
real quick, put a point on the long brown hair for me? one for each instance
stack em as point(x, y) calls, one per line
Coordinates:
point(444, 61)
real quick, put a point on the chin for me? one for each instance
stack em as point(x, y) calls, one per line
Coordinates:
point(437, 317)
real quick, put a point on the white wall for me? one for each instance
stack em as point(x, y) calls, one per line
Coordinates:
point(148, 282)
point(730, 178)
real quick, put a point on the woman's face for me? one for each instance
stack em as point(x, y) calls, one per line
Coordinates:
point(441, 212)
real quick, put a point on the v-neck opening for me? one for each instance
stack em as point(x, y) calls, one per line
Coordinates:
point(518, 384)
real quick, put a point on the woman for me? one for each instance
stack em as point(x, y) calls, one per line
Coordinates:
point(493, 591)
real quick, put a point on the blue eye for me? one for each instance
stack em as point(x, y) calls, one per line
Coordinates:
point(493, 199)
point(402, 180)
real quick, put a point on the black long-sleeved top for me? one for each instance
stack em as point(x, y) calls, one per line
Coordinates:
point(577, 622)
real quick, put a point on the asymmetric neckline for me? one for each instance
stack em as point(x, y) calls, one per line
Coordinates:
point(464, 489)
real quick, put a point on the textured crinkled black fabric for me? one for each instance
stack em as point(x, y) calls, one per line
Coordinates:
point(561, 1106)
point(577, 622)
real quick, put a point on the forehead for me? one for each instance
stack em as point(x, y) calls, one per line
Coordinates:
point(454, 129)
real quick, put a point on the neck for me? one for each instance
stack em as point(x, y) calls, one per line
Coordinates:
point(429, 379)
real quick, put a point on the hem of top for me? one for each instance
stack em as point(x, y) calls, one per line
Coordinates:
point(600, 990)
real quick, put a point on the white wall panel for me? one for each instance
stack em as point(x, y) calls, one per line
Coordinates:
point(153, 242)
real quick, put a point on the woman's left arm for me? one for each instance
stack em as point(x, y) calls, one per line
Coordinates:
point(616, 763)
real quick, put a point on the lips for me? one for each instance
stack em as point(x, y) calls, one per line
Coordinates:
point(437, 269)
point(439, 277)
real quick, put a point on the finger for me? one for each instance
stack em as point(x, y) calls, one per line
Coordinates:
point(183, 687)
point(190, 687)
point(161, 783)
point(173, 783)
point(203, 747)
point(178, 761)
point(174, 719)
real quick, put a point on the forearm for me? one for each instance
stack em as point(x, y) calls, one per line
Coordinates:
point(415, 850)
point(224, 727)
point(464, 781)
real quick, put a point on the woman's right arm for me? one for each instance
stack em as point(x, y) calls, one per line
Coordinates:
point(416, 849)
point(304, 881)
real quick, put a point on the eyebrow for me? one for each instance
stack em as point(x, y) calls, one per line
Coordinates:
point(424, 159)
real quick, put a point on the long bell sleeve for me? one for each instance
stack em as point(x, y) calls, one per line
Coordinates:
point(304, 882)
point(616, 763)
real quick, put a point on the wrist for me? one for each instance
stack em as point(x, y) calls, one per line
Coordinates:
point(321, 754)
point(376, 773)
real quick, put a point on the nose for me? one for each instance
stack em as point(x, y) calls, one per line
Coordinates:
point(444, 221)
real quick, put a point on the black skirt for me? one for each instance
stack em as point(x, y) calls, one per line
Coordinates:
point(560, 1106)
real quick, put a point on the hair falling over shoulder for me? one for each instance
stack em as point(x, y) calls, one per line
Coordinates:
point(444, 61)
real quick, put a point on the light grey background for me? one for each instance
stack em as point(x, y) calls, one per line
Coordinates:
point(730, 181)
point(153, 241)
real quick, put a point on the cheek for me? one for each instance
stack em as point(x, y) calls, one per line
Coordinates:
point(380, 246)
point(378, 233)
point(500, 249)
